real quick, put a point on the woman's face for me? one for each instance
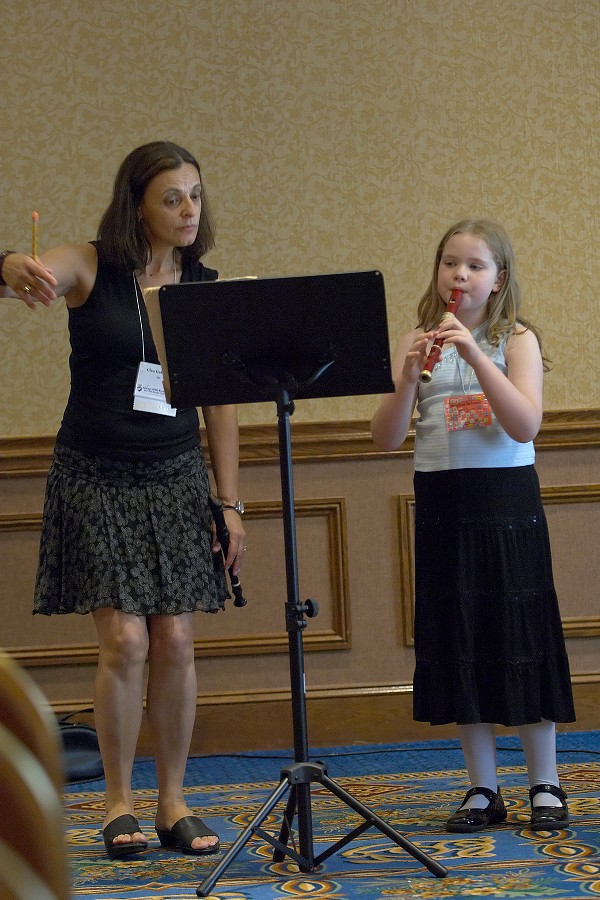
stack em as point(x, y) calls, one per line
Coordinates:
point(170, 208)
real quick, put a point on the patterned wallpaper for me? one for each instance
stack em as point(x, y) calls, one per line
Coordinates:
point(334, 136)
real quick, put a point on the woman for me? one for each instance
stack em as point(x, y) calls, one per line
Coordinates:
point(127, 533)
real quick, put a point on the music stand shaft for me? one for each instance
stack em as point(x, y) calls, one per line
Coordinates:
point(294, 624)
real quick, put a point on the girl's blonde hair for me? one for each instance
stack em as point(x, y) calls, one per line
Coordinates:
point(503, 307)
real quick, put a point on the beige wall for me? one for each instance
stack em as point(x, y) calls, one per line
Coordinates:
point(333, 136)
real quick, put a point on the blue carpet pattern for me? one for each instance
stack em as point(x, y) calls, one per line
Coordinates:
point(412, 787)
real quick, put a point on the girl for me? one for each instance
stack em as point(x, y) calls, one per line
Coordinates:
point(127, 534)
point(488, 638)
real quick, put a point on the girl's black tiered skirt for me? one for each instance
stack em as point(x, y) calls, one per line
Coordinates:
point(488, 637)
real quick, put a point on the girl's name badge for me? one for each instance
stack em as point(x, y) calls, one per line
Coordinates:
point(149, 393)
point(468, 411)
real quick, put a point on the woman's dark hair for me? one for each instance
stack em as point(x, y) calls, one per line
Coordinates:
point(123, 237)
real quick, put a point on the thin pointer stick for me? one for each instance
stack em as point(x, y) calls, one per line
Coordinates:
point(34, 234)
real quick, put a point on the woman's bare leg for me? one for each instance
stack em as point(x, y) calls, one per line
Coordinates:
point(171, 709)
point(118, 706)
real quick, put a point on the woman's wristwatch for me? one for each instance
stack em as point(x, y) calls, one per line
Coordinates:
point(238, 506)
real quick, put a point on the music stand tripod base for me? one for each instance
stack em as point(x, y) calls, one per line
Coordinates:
point(303, 774)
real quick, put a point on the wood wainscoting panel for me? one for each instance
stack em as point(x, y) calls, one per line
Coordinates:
point(322, 558)
point(573, 513)
point(29, 638)
point(354, 524)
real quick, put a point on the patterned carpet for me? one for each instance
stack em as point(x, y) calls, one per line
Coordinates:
point(412, 788)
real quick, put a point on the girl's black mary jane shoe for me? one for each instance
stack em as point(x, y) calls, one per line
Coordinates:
point(466, 820)
point(548, 818)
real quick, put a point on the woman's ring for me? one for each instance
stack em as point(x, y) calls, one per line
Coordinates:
point(27, 289)
point(244, 548)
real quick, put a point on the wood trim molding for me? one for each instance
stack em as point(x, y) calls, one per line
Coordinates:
point(573, 626)
point(336, 637)
point(406, 536)
point(311, 442)
point(20, 522)
point(261, 720)
point(335, 692)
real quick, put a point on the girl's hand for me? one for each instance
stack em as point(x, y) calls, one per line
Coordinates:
point(416, 356)
point(454, 332)
point(392, 418)
point(29, 279)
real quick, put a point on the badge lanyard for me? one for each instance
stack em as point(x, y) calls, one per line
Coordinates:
point(149, 391)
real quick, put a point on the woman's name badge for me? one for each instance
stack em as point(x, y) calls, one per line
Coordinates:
point(468, 411)
point(149, 393)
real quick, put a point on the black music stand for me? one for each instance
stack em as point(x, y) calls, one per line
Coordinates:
point(283, 339)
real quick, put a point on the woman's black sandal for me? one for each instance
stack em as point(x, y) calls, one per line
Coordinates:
point(548, 818)
point(183, 832)
point(466, 820)
point(122, 825)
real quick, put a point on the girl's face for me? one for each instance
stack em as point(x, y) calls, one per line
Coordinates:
point(170, 208)
point(467, 263)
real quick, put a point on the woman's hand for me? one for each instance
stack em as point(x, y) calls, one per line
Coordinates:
point(223, 446)
point(29, 279)
point(237, 541)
